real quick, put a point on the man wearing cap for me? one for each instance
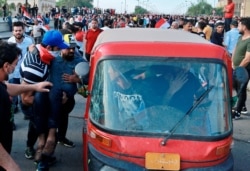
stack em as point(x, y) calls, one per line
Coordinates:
point(34, 69)
point(64, 81)
point(231, 37)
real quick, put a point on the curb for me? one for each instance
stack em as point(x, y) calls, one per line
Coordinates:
point(5, 34)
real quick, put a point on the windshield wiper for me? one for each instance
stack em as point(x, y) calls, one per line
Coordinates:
point(198, 101)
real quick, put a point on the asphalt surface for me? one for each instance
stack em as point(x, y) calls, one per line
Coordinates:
point(68, 159)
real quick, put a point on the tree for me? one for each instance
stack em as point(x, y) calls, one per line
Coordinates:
point(219, 11)
point(12, 6)
point(201, 8)
point(140, 10)
point(75, 3)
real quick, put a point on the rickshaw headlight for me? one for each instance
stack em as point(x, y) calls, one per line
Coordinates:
point(108, 168)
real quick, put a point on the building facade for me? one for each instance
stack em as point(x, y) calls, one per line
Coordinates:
point(242, 7)
point(44, 6)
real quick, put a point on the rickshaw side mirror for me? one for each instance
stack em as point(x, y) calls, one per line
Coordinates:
point(82, 69)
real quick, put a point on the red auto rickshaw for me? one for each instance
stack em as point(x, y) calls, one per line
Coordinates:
point(158, 100)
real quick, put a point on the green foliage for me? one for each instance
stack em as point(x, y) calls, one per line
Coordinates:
point(10, 7)
point(75, 3)
point(140, 10)
point(219, 11)
point(201, 8)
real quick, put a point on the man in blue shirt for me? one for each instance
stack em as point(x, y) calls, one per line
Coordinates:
point(232, 37)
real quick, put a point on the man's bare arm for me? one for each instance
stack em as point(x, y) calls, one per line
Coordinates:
point(246, 60)
point(16, 89)
point(6, 161)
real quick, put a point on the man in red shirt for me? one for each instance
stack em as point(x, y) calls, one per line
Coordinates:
point(228, 14)
point(90, 38)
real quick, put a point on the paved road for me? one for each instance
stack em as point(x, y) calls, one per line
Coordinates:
point(69, 159)
point(5, 35)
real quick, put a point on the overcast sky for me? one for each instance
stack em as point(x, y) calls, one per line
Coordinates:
point(156, 6)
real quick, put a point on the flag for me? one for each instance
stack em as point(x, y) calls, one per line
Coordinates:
point(46, 27)
point(40, 19)
point(162, 23)
point(25, 13)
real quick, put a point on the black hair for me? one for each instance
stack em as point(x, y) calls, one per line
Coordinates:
point(185, 21)
point(9, 52)
point(219, 24)
point(65, 31)
point(106, 23)
point(202, 25)
point(246, 22)
point(18, 24)
point(43, 45)
point(70, 27)
point(94, 19)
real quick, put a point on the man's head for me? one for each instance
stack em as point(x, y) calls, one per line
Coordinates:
point(35, 22)
point(187, 25)
point(9, 53)
point(78, 26)
point(54, 39)
point(174, 25)
point(94, 23)
point(219, 27)
point(244, 25)
point(202, 25)
point(18, 30)
point(234, 24)
point(68, 54)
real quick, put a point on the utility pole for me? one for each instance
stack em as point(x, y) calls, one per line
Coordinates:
point(125, 8)
point(121, 7)
point(26, 4)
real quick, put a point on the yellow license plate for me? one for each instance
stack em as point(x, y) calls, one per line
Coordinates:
point(162, 161)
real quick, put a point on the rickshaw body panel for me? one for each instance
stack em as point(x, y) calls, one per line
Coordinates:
point(203, 154)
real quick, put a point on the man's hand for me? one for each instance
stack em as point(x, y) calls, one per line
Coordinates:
point(177, 82)
point(71, 78)
point(141, 76)
point(43, 86)
point(64, 98)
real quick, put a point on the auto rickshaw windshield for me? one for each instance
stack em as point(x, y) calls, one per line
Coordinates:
point(152, 96)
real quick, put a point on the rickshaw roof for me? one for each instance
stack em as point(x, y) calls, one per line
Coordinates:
point(149, 35)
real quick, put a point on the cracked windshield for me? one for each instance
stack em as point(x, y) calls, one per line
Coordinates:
point(153, 96)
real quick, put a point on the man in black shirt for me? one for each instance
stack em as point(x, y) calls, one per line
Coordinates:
point(218, 34)
point(8, 60)
point(4, 12)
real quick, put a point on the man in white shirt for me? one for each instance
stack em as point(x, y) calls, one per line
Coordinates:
point(23, 42)
point(37, 32)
